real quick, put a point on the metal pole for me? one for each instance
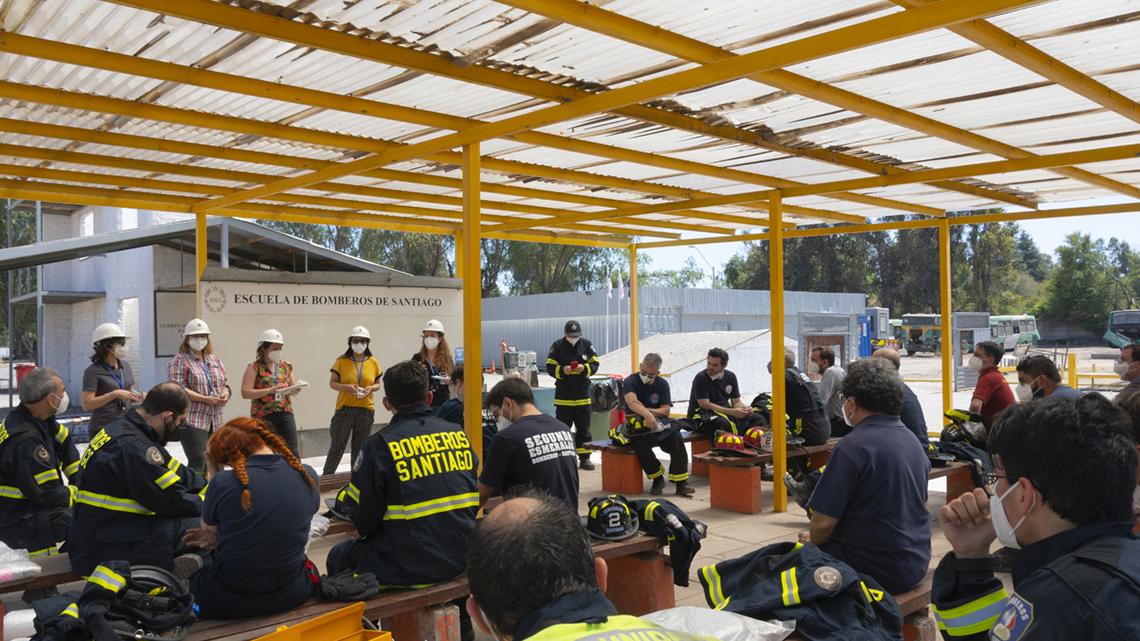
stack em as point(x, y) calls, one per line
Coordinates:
point(946, 303)
point(11, 284)
point(41, 332)
point(200, 255)
point(634, 357)
point(472, 303)
point(225, 243)
point(776, 296)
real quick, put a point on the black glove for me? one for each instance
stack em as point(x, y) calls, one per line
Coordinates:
point(349, 586)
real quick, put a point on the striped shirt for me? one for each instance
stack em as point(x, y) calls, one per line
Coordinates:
point(204, 376)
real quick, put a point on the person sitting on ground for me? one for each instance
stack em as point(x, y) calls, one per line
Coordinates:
point(530, 449)
point(533, 575)
point(37, 458)
point(1037, 377)
point(1061, 490)
point(135, 500)
point(991, 393)
point(256, 523)
point(647, 397)
point(412, 497)
point(1128, 368)
point(806, 415)
point(869, 508)
point(831, 377)
point(714, 399)
point(911, 412)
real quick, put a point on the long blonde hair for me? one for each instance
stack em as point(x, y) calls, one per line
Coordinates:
point(445, 363)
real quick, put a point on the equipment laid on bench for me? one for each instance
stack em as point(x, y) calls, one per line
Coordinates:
point(734, 481)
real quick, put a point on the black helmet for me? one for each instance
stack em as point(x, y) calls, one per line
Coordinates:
point(339, 507)
point(154, 604)
point(604, 395)
point(611, 518)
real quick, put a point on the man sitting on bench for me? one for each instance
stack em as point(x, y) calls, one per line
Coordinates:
point(647, 397)
point(807, 418)
point(533, 575)
point(870, 504)
point(714, 400)
point(1061, 490)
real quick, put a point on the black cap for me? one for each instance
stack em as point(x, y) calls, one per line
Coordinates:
point(572, 328)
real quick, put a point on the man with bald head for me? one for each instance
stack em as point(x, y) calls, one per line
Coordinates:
point(911, 412)
point(533, 575)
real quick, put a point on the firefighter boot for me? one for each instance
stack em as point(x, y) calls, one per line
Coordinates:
point(686, 490)
point(658, 486)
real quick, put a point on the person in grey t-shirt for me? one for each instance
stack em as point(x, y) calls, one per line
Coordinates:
point(1037, 377)
point(108, 383)
point(823, 363)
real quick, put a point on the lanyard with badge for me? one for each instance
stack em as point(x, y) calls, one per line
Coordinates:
point(359, 367)
point(119, 376)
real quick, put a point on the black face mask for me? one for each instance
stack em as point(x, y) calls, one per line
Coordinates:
point(172, 432)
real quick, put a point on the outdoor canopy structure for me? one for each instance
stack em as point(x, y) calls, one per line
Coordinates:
point(619, 124)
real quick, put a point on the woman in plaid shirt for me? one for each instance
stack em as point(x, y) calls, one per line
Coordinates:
point(202, 375)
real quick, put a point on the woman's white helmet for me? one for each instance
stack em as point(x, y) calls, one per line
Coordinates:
point(107, 330)
point(360, 331)
point(433, 326)
point(196, 327)
point(271, 336)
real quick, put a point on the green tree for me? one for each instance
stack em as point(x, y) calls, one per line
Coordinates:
point(1079, 289)
point(687, 276)
point(540, 268)
point(1031, 259)
point(23, 324)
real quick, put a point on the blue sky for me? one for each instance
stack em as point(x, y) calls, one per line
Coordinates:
point(1049, 234)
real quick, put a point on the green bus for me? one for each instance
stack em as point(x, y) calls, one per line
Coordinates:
point(1123, 327)
point(1014, 330)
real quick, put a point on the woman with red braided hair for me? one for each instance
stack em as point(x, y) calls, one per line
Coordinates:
point(255, 522)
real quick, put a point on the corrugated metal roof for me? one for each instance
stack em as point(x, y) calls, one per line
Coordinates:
point(764, 130)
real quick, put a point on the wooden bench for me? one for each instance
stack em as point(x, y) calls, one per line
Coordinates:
point(622, 473)
point(333, 482)
point(959, 479)
point(646, 585)
point(56, 571)
point(734, 481)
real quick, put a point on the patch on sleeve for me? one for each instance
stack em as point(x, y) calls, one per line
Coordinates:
point(154, 455)
point(356, 464)
point(42, 454)
point(1014, 621)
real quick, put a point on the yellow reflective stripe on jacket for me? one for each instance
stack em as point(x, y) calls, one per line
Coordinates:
point(10, 492)
point(106, 578)
point(650, 508)
point(170, 477)
point(52, 551)
point(72, 494)
point(557, 368)
point(46, 476)
point(974, 617)
point(71, 469)
point(202, 494)
point(434, 506)
point(353, 492)
point(716, 590)
point(578, 402)
point(789, 588)
point(112, 503)
point(71, 611)
point(61, 434)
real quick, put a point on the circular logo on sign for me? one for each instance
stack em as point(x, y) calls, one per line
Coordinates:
point(42, 453)
point(827, 577)
point(154, 456)
point(214, 299)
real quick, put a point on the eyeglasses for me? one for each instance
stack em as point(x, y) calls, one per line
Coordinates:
point(990, 479)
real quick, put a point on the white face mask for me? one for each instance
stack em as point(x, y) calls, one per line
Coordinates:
point(574, 340)
point(198, 343)
point(1005, 532)
point(274, 356)
point(647, 379)
point(358, 348)
point(846, 419)
point(1121, 368)
point(503, 421)
point(431, 342)
point(1024, 393)
point(64, 401)
point(121, 352)
point(813, 368)
point(975, 363)
point(716, 377)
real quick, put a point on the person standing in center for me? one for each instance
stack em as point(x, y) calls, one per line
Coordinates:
point(356, 376)
point(572, 361)
point(435, 355)
point(831, 379)
point(202, 376)
point(262, 384)
point(108, 383)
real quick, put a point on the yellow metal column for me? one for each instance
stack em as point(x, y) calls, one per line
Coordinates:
point(467, 251)
point(459, 254)
point(634, 355)
point(1072, 367)
point(776, 310)
point(947, 309)
point(201, 251)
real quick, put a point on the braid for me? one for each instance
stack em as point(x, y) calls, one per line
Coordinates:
point(243, 476)
point(277, 444)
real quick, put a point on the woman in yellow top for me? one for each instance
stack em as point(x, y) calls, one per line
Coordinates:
point(356, 375)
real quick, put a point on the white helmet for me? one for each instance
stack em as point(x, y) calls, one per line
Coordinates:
point(360, 331)
point(271, 336)
point(107, 330)
point(433, 326)
point(196, 327)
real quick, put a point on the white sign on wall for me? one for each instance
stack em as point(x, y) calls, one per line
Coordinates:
point(171, 311)
point(332, 300)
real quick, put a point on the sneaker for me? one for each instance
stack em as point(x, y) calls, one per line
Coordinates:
point(585, 464)
point(798, 490)
point(684, 489)
point(186, 565)
point(658, 486)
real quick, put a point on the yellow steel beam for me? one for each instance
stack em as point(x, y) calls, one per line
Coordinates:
point(1021, 52)
point(472, 303)
point(644, 34)
point(634, 338)
point(836, 41)
point(945, 304)
point(307, 35)
point(776, 336)
point(89, 57)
